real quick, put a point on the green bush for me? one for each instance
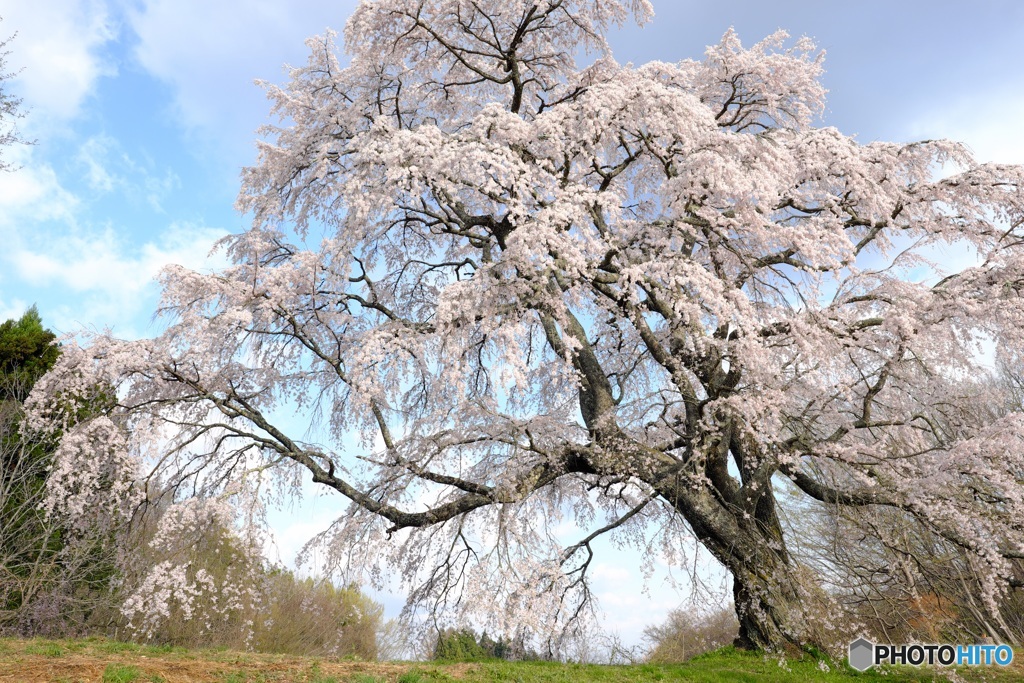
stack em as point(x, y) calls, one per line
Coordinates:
point(307, 617)
point(686, 634)
point(459, 646)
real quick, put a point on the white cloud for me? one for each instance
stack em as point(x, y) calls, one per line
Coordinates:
point(988, 122)
point(210, 52)
point(58, 47)
point(106, 278)
point(107, 167)
point(77, 272)
point(100, 262)
point(31, 195)
point(612, 574)
point(91, 158)
point(12, 309)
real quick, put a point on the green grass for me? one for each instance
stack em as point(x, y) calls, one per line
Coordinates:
point(725, 665)
point(117, 673)
point(46, 648)
point(235, 677)
point(113, 647)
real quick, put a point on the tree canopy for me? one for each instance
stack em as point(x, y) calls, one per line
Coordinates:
point(27, 351)
point(649, 299)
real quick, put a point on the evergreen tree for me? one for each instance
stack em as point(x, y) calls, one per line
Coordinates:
point(27, 351)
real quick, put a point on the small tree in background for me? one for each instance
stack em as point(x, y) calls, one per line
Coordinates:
point(464, 645)
point(27, 351)
point(193, 578)
point(316, 618)
point(459, 645)
point(687, 633)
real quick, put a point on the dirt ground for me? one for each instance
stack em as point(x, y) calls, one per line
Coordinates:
point(71, 662)
point(87, 669)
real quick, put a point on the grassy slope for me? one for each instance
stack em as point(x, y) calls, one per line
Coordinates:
point(96, 659)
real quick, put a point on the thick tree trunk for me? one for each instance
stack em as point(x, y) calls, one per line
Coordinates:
point(752, 548)
point(765, 592)
point(768, 605)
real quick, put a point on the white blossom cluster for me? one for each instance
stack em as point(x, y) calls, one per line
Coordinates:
point(177, 581)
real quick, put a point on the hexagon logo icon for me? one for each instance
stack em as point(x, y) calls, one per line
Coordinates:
point(862, 654)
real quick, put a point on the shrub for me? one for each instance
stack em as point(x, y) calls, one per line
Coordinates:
point(686, 634)
point(307, 617)
point(459, 646)
point(116, 673)
point(199, 583)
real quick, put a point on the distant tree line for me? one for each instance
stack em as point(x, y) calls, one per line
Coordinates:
point(465, 645)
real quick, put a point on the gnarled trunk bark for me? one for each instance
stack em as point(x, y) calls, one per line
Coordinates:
point(753, 550)
point(768, 606)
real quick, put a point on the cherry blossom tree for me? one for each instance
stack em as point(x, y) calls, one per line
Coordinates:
point(506, 290)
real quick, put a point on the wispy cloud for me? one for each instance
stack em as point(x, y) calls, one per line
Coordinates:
point(14, 308)
point(32, 194)
point(210, 53)
point(57, 53)
point(107, 278)
point(82, 272)
point(988, 122)
point(107, 167)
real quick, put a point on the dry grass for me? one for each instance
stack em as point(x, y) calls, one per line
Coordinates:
point(29, 661)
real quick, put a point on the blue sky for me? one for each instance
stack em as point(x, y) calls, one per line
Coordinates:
point(145, 112)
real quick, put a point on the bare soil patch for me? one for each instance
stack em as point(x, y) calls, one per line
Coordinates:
point(29, 661)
